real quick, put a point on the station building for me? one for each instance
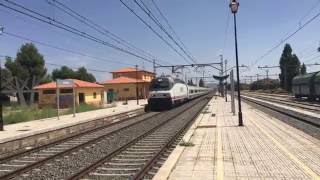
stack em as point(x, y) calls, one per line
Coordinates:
point(85, 92)
point(125, 82)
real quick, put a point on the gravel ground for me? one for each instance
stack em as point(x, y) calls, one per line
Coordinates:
point(65, 166)
point(162, 135)
point(56, 148)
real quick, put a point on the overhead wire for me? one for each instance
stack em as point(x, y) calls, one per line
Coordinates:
point(62, 65)
point(63, 49)
point(90, 23)
point(149, 13)
point(154, 31)
point(286, 38)
point(70, 29)
point(171, 27)
point(226, 31)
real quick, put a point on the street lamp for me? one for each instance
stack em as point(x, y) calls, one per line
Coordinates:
point(234, 5)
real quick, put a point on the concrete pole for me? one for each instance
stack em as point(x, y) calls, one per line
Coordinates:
point(154, 66)
point(74, 98)
point(58, 95)
point(226, 83)
point(221, 74)
point(232, 93)
point(137, 84)
point(1, 104)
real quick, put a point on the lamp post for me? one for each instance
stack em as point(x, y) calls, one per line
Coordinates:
point(234, 5)
point(1, 104)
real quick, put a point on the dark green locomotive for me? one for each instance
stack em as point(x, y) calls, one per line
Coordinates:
point(307, 85)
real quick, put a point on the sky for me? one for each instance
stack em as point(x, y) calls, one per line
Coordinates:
point(204, 26)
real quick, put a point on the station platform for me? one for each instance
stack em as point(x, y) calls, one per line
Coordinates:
point(312, 114)
point(35, 130)
point(264, 148)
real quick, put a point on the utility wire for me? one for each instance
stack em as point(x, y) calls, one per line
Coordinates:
point(64, 8)
point(226, 32)
point(63, 49)
point(286, 38)
point(313, 58)
point(68, 28)
point(74, 67)
point(61, 65)
point(149, 13)
point(169, 25)
point(153, 30)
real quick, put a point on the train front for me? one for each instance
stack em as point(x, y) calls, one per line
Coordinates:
point(160, 95)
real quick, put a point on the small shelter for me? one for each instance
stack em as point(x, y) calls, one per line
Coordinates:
point(85, 92)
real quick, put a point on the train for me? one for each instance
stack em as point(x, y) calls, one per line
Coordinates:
point(167, 92)
point(307, 85)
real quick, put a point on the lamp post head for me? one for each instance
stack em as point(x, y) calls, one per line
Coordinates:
point(234, 5)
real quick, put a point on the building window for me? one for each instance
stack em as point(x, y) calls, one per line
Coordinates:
point(49, 91)
point(66, 91)
point(126, 89)
point(94, 95)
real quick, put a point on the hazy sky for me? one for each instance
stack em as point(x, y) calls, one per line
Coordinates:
point(200, 24)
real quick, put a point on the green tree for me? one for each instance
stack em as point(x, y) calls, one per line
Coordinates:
point(28, 68)
point(63, 73)
point(67, 73)
point(83, 74)
point(303, 69)
point(201, 83)
point(289, 66)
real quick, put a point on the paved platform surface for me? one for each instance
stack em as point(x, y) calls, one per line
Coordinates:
point(19, 130)
point(317, 115)
point(264, 148)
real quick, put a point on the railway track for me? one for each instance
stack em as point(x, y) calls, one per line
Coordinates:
point(18, 163)
point(287, 101)
point(148, 135)
point(306, 123)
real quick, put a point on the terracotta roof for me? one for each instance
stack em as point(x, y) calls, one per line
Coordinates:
point(128, 69)
point(123, 80)
point(78, 84)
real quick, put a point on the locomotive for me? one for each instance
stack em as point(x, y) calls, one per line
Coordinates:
point(167, 92)
point(307, 85)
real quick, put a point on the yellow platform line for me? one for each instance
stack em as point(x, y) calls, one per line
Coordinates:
point(220, 168)
point(305, 168)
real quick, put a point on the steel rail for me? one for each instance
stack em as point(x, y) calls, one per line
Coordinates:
point(127, 145)
point(309, 107)
point(121, 115)
point(39, 163)
point(151, 163)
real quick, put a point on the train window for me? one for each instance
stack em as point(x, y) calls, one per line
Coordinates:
point(160, 84)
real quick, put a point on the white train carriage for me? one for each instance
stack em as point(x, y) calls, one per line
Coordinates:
point(195, 91)
point(167, 92)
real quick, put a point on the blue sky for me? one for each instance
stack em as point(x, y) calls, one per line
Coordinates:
point(202, 26)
